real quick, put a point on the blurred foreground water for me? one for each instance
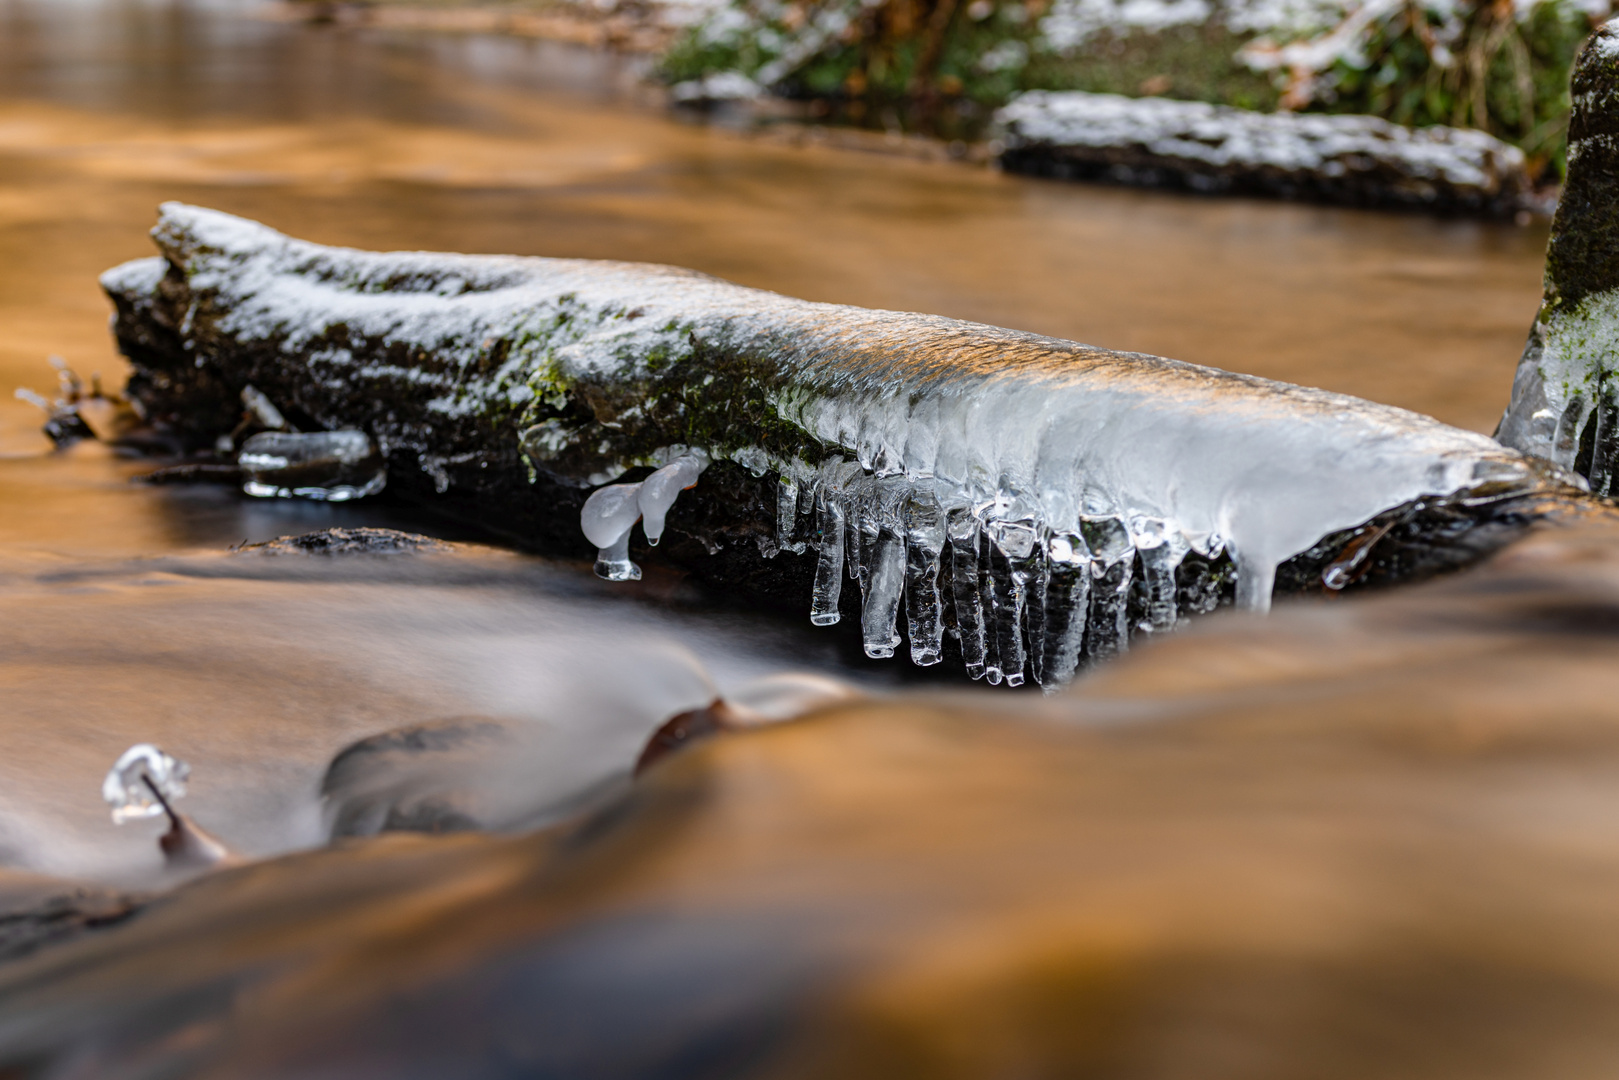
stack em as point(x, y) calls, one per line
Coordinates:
point(1362, 837)
point(1370, 838)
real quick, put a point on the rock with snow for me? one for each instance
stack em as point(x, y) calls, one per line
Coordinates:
point(716, 88)
point(1358, 160)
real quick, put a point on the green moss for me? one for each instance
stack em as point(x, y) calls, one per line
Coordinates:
point(1510, 77)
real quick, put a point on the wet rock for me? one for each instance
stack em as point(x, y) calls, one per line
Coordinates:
point(1355, 160)
point(417, 779)
point(686, 729)
point(36, 911)
point(359, 541)
point(1563, 395)
point(193, 472)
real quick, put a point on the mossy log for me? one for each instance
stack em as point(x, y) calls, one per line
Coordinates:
point(505, 389)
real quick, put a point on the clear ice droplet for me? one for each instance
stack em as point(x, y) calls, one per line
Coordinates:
point(606, 520)
point(129, 787)
point(659, 491)
point(329, 466)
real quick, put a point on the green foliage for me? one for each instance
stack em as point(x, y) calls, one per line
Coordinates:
point(1190, 63)
point(1497, 73)
point(1506, 77)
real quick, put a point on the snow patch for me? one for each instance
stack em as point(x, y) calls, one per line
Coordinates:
point(1226, 138)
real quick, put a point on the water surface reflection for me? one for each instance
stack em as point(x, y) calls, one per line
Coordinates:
point(390, 140)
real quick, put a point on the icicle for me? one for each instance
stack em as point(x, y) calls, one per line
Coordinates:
point(804, 528)
point(865, 526)
point(1011, 527)
point(883, 575)
point(924, 615)
point(1112, 567)
point(1011, 567)
point(1162, 547)
point(1604, 447)
point(831, 521)
point(1255, 580)
point(879, 612)
point(607, 518)
point(263, 409)
point(1034, 611)
point(787, 493)
point(962, 530)
point(660, 490)
point(988, 599)
point(1566, 439)
point(1066, 606)
point(852, 538)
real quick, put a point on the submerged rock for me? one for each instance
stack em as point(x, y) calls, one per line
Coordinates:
point(988, 483)
point(1359, 160)
point(38, 911)
point(423, 778)
point(360, 541)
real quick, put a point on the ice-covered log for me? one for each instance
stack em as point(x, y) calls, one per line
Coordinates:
point(1563, 396)
point(869, 463)
point(1359, 160)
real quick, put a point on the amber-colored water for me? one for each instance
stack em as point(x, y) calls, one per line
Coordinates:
point(389, 140)
point(1364, 838)
point(495, 145)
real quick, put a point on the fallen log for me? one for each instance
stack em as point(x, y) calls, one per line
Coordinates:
point(1024, 501)
point(1352, 160)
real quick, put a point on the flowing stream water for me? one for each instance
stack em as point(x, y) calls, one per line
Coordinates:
point(126, 615)
point(400, 141)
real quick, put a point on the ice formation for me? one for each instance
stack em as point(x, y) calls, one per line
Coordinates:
point(1563, 405)
point(331, 466)
point(140, 782)
point(610, 514)
point(1215, 146)
point(964, 488)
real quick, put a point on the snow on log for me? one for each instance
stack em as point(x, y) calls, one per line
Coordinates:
point(1358, 160)
point(1038, 499)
